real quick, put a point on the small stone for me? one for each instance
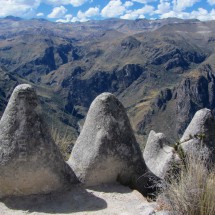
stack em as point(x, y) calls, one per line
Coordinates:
point(158, 155)
point(200, 134)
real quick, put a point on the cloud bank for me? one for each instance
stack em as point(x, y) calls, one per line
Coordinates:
point(84, 10)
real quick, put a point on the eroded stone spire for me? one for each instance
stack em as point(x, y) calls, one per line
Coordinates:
point(30, 162)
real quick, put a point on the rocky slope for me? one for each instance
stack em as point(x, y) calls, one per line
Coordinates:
point(162, 70)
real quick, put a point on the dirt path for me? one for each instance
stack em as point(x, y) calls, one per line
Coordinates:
point(101, 200)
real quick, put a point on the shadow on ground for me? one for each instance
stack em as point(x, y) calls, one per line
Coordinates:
point(111, 188)
point(77, 199)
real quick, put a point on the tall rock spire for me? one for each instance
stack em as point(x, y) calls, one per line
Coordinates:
point(30, 162)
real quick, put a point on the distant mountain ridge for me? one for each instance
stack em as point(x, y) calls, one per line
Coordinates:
point(161, 70)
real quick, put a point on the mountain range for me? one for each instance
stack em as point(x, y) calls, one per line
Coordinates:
point(163, 71)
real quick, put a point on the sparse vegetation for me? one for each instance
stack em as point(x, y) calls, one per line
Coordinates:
point(63, 141)
point(191, 191)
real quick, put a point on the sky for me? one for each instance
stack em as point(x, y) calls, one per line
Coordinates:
point(84, 10)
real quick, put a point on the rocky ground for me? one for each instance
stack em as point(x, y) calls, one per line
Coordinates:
point(109, 199)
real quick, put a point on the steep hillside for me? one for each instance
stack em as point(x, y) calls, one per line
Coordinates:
point(7, 83)
point(161, 70)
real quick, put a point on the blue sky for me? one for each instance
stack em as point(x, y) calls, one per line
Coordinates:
point(84, 10)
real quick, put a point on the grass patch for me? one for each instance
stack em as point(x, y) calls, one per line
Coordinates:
point(191, 191)
point(63, 141)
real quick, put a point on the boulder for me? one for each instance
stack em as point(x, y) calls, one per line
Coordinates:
point(158, 155)
point(106, 150)
point(30, 162)
point(163, 213)
point(200, 134)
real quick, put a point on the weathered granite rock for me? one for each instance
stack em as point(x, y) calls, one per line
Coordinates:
point(106, 149)
point(30, 162)
point(200, 134)
point(164, 213)
point(158, 155)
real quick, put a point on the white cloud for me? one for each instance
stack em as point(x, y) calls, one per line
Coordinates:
point(163, 7)
point(75, 3)
point(75, 19)
point(84, 16)
point(128, 4)
point(200, 14)
point(211, 2)
point(81, 17)
point(203, 14)
point(40, 14)
point(20, 8)
point(139, 13)
point(115, 8)
point(27, 8)
point(171, 14)
point(56, 2)
point(92, 11)
point(132, 16)
point(67, 18)
point(178, 10)
point(57, 12)
point(180, 5)
point(144, 1)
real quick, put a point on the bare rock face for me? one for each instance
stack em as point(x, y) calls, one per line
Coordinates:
point(30, 162)
point(200, 133)
point(194, 94)
point(158, 155)
point(106, 150)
